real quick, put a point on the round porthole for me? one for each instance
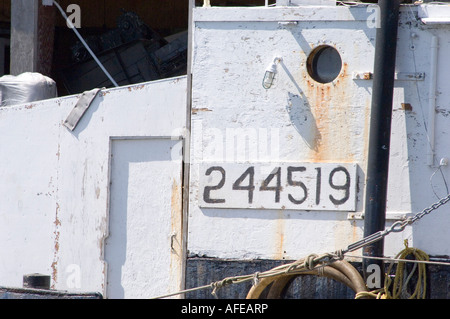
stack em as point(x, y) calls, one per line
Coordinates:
point(324, 64)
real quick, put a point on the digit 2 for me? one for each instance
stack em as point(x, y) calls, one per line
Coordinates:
point(207, 191)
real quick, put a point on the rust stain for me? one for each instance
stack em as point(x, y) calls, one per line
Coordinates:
point(279, 236)
point(58, 153)
point(57, 233)
point(330, 107)
point(355, 236)
point(176, 236)
point(203, 109)
point(176, 211)
point(407, 107)
point(136, 87)
point(367, 76)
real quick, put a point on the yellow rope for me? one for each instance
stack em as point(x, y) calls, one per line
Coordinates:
point(398, 284)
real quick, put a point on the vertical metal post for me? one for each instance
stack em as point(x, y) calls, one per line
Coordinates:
point(187, 143)
point(380, 127)
point(432, 100)
point(24, 36)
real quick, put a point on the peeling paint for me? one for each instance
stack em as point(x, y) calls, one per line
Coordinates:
point(203, 109)
point(177, 235)
point(176, 217)
point(135, 87)
point(279, 236)
point(56, 247)
point(407, 107)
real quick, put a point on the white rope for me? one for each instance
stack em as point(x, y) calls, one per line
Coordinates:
point(401, 260)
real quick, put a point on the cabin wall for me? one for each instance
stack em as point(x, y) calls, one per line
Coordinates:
point(236, 124)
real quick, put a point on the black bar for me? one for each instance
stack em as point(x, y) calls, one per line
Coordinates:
point(380, 126)
point(37, 281)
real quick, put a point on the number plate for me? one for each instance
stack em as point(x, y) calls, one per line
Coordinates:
point(299, 186)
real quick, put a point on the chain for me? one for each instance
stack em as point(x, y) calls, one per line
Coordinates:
point(435, 206)
point(396, 227)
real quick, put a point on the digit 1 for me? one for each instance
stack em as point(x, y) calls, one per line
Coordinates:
point(318, 184)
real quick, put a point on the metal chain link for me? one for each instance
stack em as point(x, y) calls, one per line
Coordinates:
point(396, 227)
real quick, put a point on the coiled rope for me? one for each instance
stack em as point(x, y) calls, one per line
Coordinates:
point(339, 270)
point(401, 280)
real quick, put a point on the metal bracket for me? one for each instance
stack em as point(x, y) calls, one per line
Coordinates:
point(410, 76)
point(389, 216)
point(400, 76)
point(80, 108)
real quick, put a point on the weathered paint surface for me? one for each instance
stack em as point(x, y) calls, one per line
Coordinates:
point(56, 186)
point(144, 214)
point(299, 120)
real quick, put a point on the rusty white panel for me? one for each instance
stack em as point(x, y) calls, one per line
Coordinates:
point(301, 186)
point(55, 182)
point(311, 122)
point(413, 183)
point(297, 120)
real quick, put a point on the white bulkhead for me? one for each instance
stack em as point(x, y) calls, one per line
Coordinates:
point(314, 118)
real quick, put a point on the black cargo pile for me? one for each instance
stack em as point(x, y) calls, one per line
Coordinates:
point(132, 53)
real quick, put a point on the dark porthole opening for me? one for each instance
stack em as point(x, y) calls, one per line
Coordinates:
point(324, 64)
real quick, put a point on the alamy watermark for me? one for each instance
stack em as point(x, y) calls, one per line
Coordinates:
point(74, 17)
point(373, 280)
point(73, 273)
point(231, 144)
point(373, 20)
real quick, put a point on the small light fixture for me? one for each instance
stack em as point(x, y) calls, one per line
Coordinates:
point(270, 73)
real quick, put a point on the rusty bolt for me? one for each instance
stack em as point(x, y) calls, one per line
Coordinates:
point(367, 75)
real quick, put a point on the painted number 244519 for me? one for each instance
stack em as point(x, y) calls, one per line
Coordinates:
point(303, 186)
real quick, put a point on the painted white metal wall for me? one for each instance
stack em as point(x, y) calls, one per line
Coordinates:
point(300, 121)
point(145, 212)
point(55, 187)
